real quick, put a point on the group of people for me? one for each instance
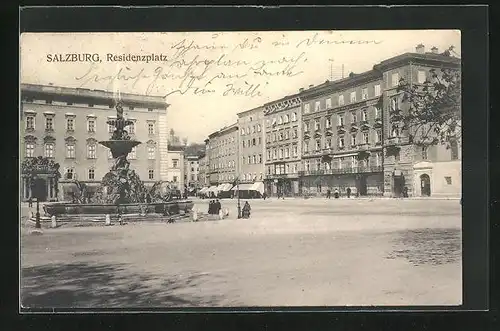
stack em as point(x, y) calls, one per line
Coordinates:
point(336, 193)
point(214, 207)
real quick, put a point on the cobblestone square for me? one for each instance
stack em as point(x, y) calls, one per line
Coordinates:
point(291, 252)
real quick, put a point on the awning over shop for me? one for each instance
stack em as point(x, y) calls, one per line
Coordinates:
point(242, 187)
point(225, 187)
point(258, 186)
point(203, 190)
point(212, 189)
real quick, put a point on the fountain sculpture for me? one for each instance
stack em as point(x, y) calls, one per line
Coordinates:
point(124, 192)
point(121, 183)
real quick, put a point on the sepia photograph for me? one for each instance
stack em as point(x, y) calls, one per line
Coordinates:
point(240, 169)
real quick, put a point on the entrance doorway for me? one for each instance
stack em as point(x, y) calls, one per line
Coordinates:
point(425, 185)
point(399, 183)
point(40, 189)
point(362, 186)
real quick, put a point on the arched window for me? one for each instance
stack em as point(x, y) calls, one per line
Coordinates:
point(287, 118)
point(294, 117)
point(49, 149)
point(30, 149)
point(91, 148)
point(151, 148)
point(280, 120)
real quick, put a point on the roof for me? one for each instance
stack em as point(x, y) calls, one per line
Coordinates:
point(250, 111)
point(225, 129)
point(83, 95)
point(376, 72)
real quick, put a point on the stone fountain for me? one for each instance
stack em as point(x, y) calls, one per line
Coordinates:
point(125, 193)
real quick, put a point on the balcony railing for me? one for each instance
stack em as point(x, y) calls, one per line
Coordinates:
point(349, 170)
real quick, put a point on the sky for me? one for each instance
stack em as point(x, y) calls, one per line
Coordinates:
point(208, 78)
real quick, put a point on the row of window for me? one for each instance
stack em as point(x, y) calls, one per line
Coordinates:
point(91, 174)
point(365, 139)
point(284, 119)
point(230, 164)
point(252, 159)
point(49, 151)
point(365, 93)
point(255, 128)
point(91, 125)
point(252, 142)
point(341, 119)
point(342, 163)
point(221, 142)
point(223, 152)
point(283, 152)
point(281, 169)
point(252, 177)
point(282, 135)
point(226, 177)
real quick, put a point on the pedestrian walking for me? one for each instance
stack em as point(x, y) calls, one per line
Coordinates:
point(264, 195)
point(30, 202)
point(336, 194)
point(218, 207)
point(328, 194)
point(246, 210)
point(405, 192)
point(348, 191)
point(210, 207)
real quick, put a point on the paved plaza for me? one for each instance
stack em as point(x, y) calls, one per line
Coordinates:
point(291, 252)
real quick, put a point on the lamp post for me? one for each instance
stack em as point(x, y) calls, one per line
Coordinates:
point(238, 190)
point(35, 192)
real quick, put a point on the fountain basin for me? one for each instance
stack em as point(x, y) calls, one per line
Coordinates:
point(170, 207)
point(120, 147)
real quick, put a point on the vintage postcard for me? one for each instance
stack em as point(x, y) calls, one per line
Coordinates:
point(240, 169)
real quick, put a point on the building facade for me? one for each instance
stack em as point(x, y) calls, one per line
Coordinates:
point(251, 147)
point(402, 158)
point(175, 167)
point(283, 146)
point(191, 171)
point(342, 136)
point(353, 136)
point(203, 170)
point(222, 151)
point(66, 124)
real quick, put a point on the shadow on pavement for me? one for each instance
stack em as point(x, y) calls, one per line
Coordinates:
point(84, 285)
point(428, 246)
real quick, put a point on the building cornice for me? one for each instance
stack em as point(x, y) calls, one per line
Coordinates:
point(97, 97)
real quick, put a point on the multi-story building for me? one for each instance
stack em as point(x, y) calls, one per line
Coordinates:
point(283, 146)
point(351, 137)
point(342, 135)
point(251, 149)
point(66, 125)
point(427, 171)
point(191, 171)
point(203, 170)
point(175, 164)
point(222, 154)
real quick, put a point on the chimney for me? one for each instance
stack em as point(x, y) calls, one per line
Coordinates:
point(301, 89)
point(420, 49)
point(434, 50)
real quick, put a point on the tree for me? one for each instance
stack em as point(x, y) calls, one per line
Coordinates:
point(434, 114)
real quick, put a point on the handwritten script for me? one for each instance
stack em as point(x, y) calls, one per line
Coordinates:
point(186, 67)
